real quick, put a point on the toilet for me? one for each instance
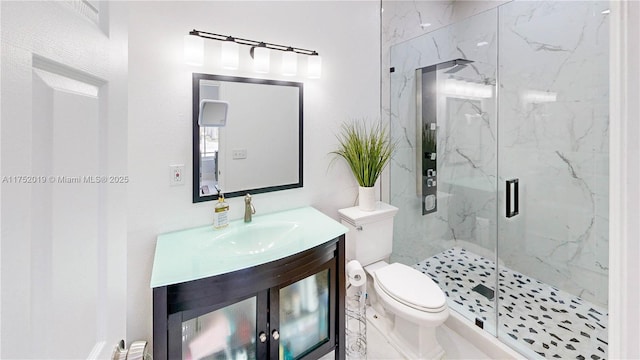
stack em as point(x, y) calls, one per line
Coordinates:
point(408, 305)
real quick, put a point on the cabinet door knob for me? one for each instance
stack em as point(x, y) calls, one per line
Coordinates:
point(275, 334)
point(263, 337)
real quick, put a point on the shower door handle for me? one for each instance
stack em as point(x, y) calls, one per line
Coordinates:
point(512, 198)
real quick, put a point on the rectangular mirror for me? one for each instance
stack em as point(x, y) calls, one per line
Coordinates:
point(257, 148)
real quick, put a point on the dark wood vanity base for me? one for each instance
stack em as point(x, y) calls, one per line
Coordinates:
point(184, 310)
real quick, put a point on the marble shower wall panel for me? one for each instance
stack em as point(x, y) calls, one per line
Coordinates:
point(468, 168)
point(553, 127)
point(466, 139)
point(405, 20)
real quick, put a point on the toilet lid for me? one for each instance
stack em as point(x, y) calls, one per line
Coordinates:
point(410, 287)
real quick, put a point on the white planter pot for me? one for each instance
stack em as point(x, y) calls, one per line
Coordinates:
point(366, 198)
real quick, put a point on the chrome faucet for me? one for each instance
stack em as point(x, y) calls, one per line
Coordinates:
point(248, 208)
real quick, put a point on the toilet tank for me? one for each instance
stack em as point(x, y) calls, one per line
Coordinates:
point(370, 236)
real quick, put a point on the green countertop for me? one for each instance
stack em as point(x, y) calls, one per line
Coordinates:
point(202, 252)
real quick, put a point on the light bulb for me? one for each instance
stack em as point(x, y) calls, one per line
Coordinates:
point(193, 50)
point(229, 56)
point(314, 67)
point(289, 63)
point(261, 57)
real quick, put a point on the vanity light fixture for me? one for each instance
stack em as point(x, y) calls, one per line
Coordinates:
point(466, 89)
point(260, 51)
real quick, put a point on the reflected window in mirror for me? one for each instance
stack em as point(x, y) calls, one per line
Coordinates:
point(208, 160)
point(258, 148)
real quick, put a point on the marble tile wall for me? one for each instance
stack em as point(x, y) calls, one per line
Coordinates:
point(552, 134)
point(404, 20)
point(401, 21)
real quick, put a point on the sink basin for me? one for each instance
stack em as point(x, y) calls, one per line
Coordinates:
point(251, 239)
point(202, 252)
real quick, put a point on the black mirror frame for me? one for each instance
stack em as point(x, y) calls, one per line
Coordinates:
point(196, 135)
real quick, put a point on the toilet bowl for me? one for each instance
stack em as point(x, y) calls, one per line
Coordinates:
point(408, 305)
point(412, 305)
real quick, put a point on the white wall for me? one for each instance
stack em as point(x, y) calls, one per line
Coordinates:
point(346, 34)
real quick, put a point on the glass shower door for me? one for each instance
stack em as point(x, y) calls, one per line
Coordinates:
point(553, 143)
point(465, 104)
point(513, 193)
point(443, 176)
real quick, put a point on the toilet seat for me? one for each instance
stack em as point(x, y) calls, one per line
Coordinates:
point(411, 288)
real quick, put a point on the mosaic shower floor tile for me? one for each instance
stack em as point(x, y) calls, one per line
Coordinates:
point(534, 317)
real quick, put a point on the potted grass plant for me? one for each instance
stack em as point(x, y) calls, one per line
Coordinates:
point(367, 150)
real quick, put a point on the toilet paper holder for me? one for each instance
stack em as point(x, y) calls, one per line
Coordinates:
point(355, 274)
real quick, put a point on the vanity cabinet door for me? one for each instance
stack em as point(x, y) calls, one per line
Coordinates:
point(224, 331)
point(302, 314)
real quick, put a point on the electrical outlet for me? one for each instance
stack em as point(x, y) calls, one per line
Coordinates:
point(238, 154)
point(176, 172)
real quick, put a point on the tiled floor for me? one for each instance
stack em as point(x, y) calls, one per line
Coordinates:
point(537, 318)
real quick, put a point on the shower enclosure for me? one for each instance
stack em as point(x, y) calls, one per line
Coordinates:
point(501, 171)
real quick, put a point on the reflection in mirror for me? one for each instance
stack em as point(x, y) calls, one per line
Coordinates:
point(256, 147)
point(208, 160)
point(213, 113)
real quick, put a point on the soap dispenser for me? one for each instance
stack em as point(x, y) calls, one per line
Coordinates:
point(221, 212)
